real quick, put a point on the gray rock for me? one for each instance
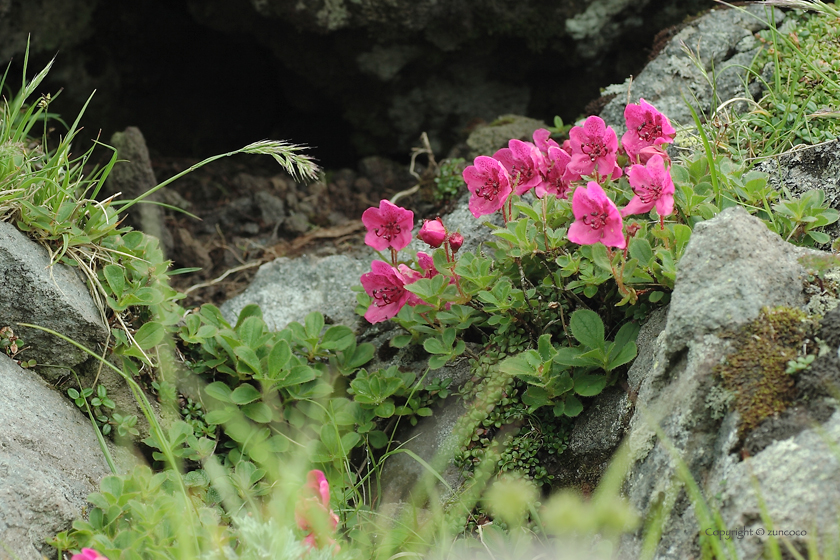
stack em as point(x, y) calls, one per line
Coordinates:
point(486, 140)
point(47, 24)
point(722, 283)
point(432, 440)
point(289, 289)
point(49, 462)
point(720, 40)
point(724, 280)
point(805, 169)
point(54, 297)
point(133, 176)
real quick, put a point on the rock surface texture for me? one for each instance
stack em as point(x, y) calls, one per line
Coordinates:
point(721, 46)
point(289, 289)
point(732, 267)
point(50, 296)
point(49, 463)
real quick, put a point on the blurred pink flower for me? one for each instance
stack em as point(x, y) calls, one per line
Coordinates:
point(313, 513)
point(433, 232)
point(386, 285)
point(524, 164)
point(596, 218)
point(388, 226)
point(594, 146)
point(88, 554)
point(645, 127)
point(489, 182)
point(652, 186)
point(554, 179)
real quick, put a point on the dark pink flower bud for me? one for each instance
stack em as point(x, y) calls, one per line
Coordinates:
point(433, 232)
point(455, 241)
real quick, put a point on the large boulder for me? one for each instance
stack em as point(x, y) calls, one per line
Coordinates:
point(49, 463)
point(686, 415)
point(716, 48)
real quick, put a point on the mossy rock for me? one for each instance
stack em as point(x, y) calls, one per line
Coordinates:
point(756, 373)
point(485, 140)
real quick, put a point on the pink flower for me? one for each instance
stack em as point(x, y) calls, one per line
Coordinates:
point(567, 146)
point(652, 186)
point(648, 152)
point(645, 127)
point(427, 264)
point(543, 141)
point(554, 179)
point(88, 554)
point(489, 182)
point(594, 147)
point(313, 513)
point(524, 164)
point(386, 285)
point(596, 218)
point(388, 226)
point(455, 241)
point(433, 232)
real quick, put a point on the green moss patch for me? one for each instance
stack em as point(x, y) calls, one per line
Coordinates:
point(755, 373)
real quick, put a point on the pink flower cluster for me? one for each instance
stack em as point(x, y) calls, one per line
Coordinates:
point(389, 228)
point(88, 554)
point(590, 155)
point(313, 512)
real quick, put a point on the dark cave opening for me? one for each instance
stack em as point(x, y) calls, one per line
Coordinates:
point(196, 91)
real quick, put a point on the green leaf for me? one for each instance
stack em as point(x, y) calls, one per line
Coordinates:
point(350, 440)
point(640, 249)
point(437, 362)
point(400, 341)
point(149, 335)
point(682, 233)
point(219, 391)
point(590, 385)
point(250, 331)
point(248, 357)
point(258, 412)
point(819, 237)
point(626, 354)
point(535, 397)
point(573, 406)
point(278, 358)
point(250, 310)
point(362, 354)
point(600, 257)
point(587, 328)
point(545, 348)
point(385, 409)
point(220, 416)
point(244, 394)
point(297, 375)
point(526, 363)
point(569, 356)
point(435, 346)
point(377, 439)
point(313, 324)
point(338, 337)
point(115, 276)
